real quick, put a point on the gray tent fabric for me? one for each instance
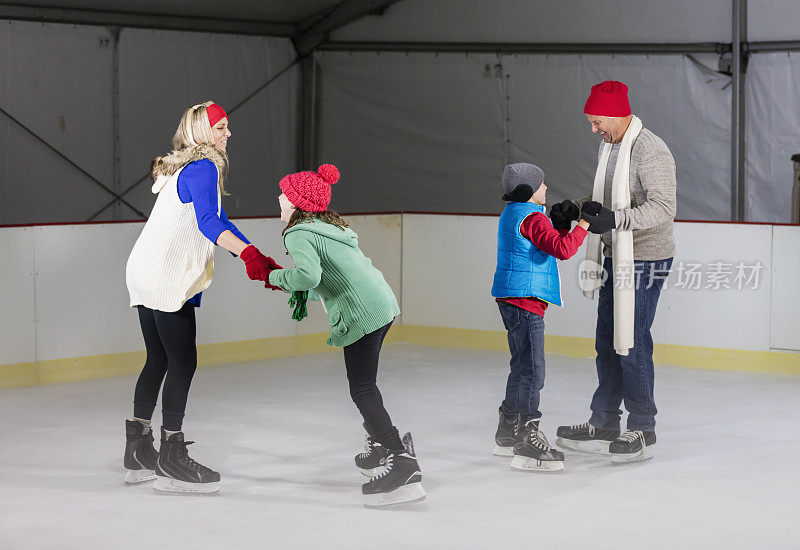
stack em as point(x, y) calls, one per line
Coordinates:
point(416, 132)
point(68, 104)
point(432, 132)
point(166, 72)
point(772, 135)
point(684, 106)
point(58, 81)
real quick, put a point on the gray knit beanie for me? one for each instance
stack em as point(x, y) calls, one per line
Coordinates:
point(521, 173)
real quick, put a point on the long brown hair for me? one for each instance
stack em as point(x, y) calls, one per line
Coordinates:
point(302, 216)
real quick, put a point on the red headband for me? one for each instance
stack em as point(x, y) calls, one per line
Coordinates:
point(215, 113)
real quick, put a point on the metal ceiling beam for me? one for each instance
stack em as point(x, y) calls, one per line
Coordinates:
point(314, 30)
point(145, 21)
point(528, 47)
point(765, 47)
point(738, 69)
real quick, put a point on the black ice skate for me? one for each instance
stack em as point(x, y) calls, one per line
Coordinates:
point(632, 446)
point(178, 473)
point(373, 460)
point(534, 453)
point(585, 437)
point(140, 456)
point(507, 435)
point(400, 481)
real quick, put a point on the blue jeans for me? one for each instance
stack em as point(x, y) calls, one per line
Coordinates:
point(629, 378)
point(526, 379)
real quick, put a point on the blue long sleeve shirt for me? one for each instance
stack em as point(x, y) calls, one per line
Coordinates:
point(198, 184)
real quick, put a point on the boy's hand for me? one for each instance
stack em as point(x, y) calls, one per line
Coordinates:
point(563, 214)
point(600, 219)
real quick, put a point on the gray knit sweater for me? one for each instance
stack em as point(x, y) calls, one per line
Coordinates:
point(652, 208)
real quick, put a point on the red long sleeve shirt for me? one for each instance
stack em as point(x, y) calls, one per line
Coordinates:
point(562, 245)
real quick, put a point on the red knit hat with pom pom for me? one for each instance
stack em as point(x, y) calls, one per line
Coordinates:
point(310, 191)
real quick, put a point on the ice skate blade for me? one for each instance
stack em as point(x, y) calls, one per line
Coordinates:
point(133, 477)
point(594, 447)
point(503, 451)
point(528, 464)
point(371, 472)
point(644, 454)
point(412, 492)
point(167, 485)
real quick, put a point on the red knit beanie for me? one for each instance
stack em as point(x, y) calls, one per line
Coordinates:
point(609, 98)
point(310, 191)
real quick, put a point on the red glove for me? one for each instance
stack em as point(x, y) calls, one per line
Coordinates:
point(273, 265)
point(257, 265)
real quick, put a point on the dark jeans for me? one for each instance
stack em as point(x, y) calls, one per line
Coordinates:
point(629, 378)
point(526, 379)
point(170, 342)
point(361, 361)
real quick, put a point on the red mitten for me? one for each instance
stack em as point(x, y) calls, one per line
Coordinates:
point(273, 265)
point(256, 263)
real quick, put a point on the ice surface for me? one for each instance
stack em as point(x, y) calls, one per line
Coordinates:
point(283, 433)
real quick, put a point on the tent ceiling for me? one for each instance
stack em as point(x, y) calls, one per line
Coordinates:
point(271, 11)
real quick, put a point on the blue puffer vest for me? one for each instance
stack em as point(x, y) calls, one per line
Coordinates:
point(522, 269)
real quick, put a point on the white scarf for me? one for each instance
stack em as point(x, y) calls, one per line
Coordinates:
point(621, 242)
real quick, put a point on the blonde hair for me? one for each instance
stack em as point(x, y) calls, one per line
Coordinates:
point(194, 130)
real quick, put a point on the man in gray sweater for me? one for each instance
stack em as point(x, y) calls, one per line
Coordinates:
point(628, 378)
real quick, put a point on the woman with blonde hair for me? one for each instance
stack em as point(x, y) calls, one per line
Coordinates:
point(170, 266)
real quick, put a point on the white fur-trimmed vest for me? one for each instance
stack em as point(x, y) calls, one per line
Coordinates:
point(522, 269)
point(172, 260)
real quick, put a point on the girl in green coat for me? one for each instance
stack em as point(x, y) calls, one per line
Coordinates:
point(361, 307)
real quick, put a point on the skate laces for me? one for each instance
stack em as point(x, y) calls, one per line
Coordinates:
point(584, 426)
point(389, 464)
point(183, 452)
point(538, 439)
point(630, 436)
point(367, 449)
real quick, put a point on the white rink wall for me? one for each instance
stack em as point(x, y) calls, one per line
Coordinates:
point(63, 287)
point(64, 294)
point(448, 265)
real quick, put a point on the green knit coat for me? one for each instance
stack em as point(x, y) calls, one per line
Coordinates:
point(328, 261)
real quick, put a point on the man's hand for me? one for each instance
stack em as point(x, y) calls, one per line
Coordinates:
point(562, 214)
point(600, 219)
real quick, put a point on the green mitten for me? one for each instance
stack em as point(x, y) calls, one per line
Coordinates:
point(298, 301)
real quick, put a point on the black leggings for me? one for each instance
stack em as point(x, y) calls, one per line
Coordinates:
point(361, 360)
point(170, 342)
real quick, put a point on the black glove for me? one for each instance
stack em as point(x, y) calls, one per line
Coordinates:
point(521, 193)
point(562, 214)
point(600, 219)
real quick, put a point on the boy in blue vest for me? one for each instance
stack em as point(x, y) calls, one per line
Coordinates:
point(526, 281)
